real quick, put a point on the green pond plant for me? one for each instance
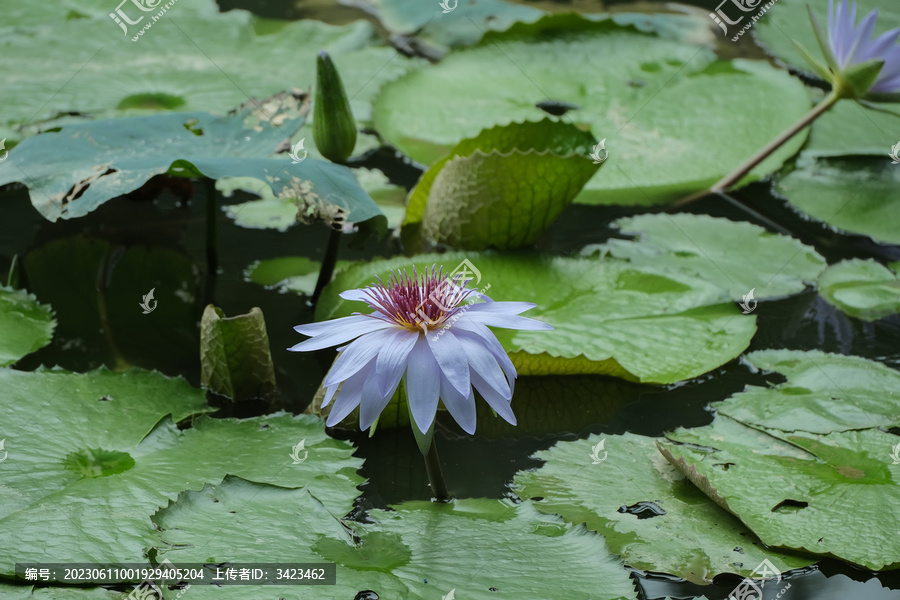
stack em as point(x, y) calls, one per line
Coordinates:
point(422, 333)
point(858, 68)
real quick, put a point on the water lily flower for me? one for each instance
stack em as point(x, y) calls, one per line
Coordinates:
point(421, 332)
point(859, 67)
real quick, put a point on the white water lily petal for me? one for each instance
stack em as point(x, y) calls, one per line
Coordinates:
point(423, 384)
point(497, 402)
point(462, 408)
point(357, 355)
point(337, 334)
point(482, 361)
point(451, 357)
point(391, 361)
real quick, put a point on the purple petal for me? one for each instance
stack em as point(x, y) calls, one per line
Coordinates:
point(357, 355)
point(355, 295)
point(336, 331)
point(498, 403)
point(329, 394)
point(373, 402)
point(483, 362)
point(863, 35)
point(349, 397)
point(508, 308)
point(392, 359)
point(505, 321)
point(451, 357)
point(423, 384)
point(879, 46)
point(488, 338)
point(462, 408)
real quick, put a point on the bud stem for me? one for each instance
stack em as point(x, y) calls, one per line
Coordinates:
point(435, 474)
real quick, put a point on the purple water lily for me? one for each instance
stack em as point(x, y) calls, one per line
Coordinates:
point(421, 332)
point(852, 44)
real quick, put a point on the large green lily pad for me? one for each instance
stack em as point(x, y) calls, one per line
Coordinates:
point(92, 456)
point(862, 289)
point(662, 105)
point(692, 538)
point(419, 549)
point(738, 256)
point(829, 494)
point(27, 325)
point(611, 317)
point(853, 194)
point(90, 66)
point(823, 393)
point(501, 189)
point(94, 162)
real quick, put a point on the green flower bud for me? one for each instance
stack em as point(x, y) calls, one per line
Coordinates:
point(334, 128)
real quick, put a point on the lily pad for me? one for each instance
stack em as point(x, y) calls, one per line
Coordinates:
point(780, 28)
point(823, 393)
point(849, 129)
point(27, 325)
point(495, 544)
point(647, 95)
point(219, 66)
point(95, 162)
point(861, 288)
point(852, 194)
point(611, 318)
point(235, 357)
point(502, 188)
point(114, 428)
point(30, 14)
point(823, 494)
point(738, 256)
point(648, 512)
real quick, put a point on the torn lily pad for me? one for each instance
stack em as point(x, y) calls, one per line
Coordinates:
point(500, 189)
point(498, 545)
point(823, 393)
point(828, 495)
point(27, 325)
point(738, 256)
point(648, 512)
point(71, 172)
point(81, 481)
point(861, 288)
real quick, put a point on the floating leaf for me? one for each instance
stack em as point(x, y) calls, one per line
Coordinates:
point(235, 358)
point(218, 67)
point(738, 256)
point(95, 162)
point(824, 494)
point(26, 324)
point(502, 188)
point(497, 545)
point(667, 108)
point(856, 195)
point(610, 317)
point(51, 513)
point(861, 288)
point(671, 526)
point(823, 393)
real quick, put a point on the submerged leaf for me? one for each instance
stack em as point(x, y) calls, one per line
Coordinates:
point(862, 289)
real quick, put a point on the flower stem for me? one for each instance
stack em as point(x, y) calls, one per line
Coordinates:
point(435, 474)
point(328, 263)
point(738, 174)
point(212, 255)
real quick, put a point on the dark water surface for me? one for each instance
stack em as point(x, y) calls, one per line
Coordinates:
point(475, 466)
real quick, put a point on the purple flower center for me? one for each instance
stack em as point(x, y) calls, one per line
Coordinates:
point(417, 302)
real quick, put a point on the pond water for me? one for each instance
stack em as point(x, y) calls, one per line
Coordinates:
point(480, 465)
